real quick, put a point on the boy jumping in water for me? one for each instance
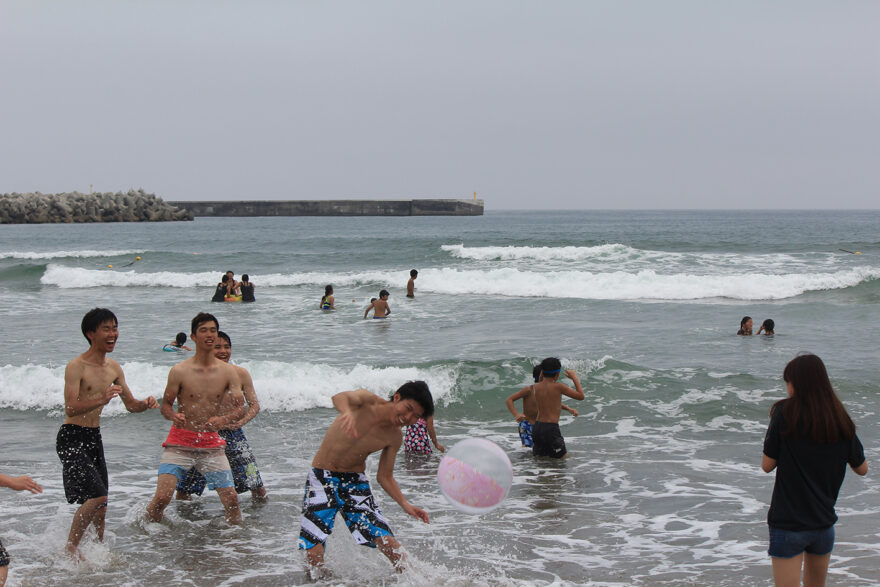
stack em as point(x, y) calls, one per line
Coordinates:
point(548, 441)
point(209, 398)
point(527, 419)
point(380, 307)
point(337, 482)
point(91, 381)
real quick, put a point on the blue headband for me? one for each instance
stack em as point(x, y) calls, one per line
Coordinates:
point(551, 372)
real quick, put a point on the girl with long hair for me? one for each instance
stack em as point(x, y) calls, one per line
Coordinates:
point(809, 442)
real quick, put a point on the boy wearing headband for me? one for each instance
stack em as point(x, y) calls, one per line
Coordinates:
point(547, 438)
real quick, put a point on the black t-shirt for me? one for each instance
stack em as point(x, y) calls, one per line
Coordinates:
point(808, 476)
point(219, 293)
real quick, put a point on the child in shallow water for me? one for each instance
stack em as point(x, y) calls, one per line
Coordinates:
point(416, 440)
point(767, 327)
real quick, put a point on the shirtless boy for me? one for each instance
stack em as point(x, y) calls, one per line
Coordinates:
point(380, 307)
point(548, 395)
point(91, 381)
point(411, 284)
point(238, 451)
point(337, 482)
point(209, 398)
point(527, 419)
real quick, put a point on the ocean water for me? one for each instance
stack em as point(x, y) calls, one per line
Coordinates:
point(662, 485)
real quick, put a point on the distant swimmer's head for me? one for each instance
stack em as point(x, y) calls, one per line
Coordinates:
point(768, 326)
point(413, 273)
point(244, 277)
point(230, 274)
point(328, 290)
point(384, 294)
point(372, 300)
point(746, 322)
point(222, 346)
point(536, 372)
point(201, 318)
point(95, 318)
point(224, 279)
point(551, 367)
point(180, 338)
point(417, 392)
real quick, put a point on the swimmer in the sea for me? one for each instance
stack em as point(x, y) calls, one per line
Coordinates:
point(380, 307)
point(767, 327)
point(547, 437)
point(745, 326)
point(526, 420)
point(411, 284)
point(327, 300)
point(221, 290)
point(246, 286)
point(177, 343)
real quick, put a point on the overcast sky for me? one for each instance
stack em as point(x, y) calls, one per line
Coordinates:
point(544, 104)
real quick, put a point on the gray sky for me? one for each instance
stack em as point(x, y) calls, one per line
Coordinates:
point(580, 104)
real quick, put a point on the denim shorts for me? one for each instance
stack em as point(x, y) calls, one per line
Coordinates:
point(790, 543)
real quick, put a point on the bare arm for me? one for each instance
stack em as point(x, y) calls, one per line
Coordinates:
point(578, 391)
point(571, 411)
point(73, 406)
point(250, 397)
point(367, 311)
point(347, 401)
point(861, 469)
point(172, 390)
point(767, 464)
point(131, 404)
point(20, 483)
point(512, 398)
point(385, 477)
point(429, 424)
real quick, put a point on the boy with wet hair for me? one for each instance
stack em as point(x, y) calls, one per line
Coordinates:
point(337, 481)
point(91, 381)
point(547, 437)
point(380, 307)
point(767, 327)
point(526, 420)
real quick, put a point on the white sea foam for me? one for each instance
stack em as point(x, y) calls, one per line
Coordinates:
point(510, 282)
point(282, 387)
point(45, 255)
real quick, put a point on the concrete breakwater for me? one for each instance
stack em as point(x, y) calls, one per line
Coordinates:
point(425, 207)
point(132, 206)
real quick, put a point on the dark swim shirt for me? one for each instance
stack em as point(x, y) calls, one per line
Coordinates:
point(808, 476)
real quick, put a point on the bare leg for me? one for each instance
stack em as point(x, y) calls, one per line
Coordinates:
point(229, 499)
point(259, 494)
point(787, 571)
point(165, 487)
point(390, 547)
point(315, 556)
point(3, 572)
point(815, 569)
point(183, 496)
point(85, 515)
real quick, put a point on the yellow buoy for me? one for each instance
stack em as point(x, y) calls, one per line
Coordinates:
point(858, 252)
point(110, 266)
point(137, 258)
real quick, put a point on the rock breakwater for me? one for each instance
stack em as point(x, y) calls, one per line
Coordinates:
point(132, 206)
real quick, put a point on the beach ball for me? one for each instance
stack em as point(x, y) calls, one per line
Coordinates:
point(475, 475)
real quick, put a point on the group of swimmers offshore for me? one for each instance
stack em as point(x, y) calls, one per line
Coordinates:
point(230, 290)
point(808, 447)
point(746, 325)
point(379, 306)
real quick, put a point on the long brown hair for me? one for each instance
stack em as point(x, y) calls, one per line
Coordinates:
point(813, 409)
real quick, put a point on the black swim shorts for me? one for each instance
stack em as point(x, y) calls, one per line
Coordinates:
point(82, 462)
point(548, 441)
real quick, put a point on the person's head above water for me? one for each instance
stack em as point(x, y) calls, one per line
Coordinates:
point(230, 274)
point(768, 326)
point(384, 294)
point(180, 338)
point(94, 318)
point(551, 367)
point(418, 392)
point(244, 277)
point(746, 322)
point(328, 290)
point(413, 273)
point(536, 372)
point(224, 279)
